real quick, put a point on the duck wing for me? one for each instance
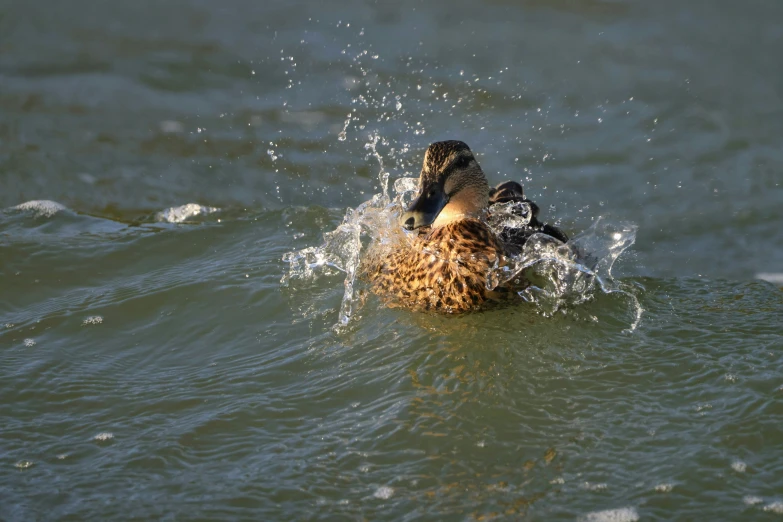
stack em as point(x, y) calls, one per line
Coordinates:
point(515, 237)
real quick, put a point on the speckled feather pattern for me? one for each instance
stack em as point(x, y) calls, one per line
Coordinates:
point(444, 270)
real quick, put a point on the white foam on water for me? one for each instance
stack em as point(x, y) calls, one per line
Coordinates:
point(384, 492)
point(24, 464)
point(29, 343)
point(41, 207)
point(171, 127)
point(752, 500)
point(626, 514)
point(184, 213)
point(772, 277)
point(601, 486)
point(93, 319)
point(103, 436)
point(739, 466)
point(774, 507)
point(664, 488)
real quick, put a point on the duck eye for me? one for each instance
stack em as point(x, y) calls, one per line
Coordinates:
point(462, 162)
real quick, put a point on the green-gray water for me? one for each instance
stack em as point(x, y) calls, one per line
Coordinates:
point(157, 369)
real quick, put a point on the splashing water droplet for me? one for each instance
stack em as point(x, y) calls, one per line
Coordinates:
point(344, 133)
point(560, 275)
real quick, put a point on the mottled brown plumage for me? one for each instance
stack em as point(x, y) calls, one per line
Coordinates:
point(446, 264)
point(445, 269)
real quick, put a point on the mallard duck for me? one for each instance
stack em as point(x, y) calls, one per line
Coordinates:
point(449, 257)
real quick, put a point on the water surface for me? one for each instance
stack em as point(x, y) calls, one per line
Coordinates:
point(152, 366)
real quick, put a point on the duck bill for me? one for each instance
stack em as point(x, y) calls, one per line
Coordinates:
point(425, 209)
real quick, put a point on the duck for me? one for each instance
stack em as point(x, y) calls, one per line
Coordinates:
point(450, 251)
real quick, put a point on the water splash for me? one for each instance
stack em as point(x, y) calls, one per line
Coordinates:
point(566, 274)
point(383, 175)
point(342, 248)
point(562, 275)
point(343, 135)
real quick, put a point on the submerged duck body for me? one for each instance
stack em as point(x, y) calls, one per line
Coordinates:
point(446, 263)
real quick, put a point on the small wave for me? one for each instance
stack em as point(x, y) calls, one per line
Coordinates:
point(41, 207)
point(184, 213)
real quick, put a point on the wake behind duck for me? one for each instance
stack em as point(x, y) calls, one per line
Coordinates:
point(461, 246)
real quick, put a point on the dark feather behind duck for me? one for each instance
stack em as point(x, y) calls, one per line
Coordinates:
point(515, 237)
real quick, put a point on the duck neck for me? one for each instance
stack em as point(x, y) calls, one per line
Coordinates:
point(451, 214)
point(470, 203)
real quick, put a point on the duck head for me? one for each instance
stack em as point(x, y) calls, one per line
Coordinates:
point(452, 186)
